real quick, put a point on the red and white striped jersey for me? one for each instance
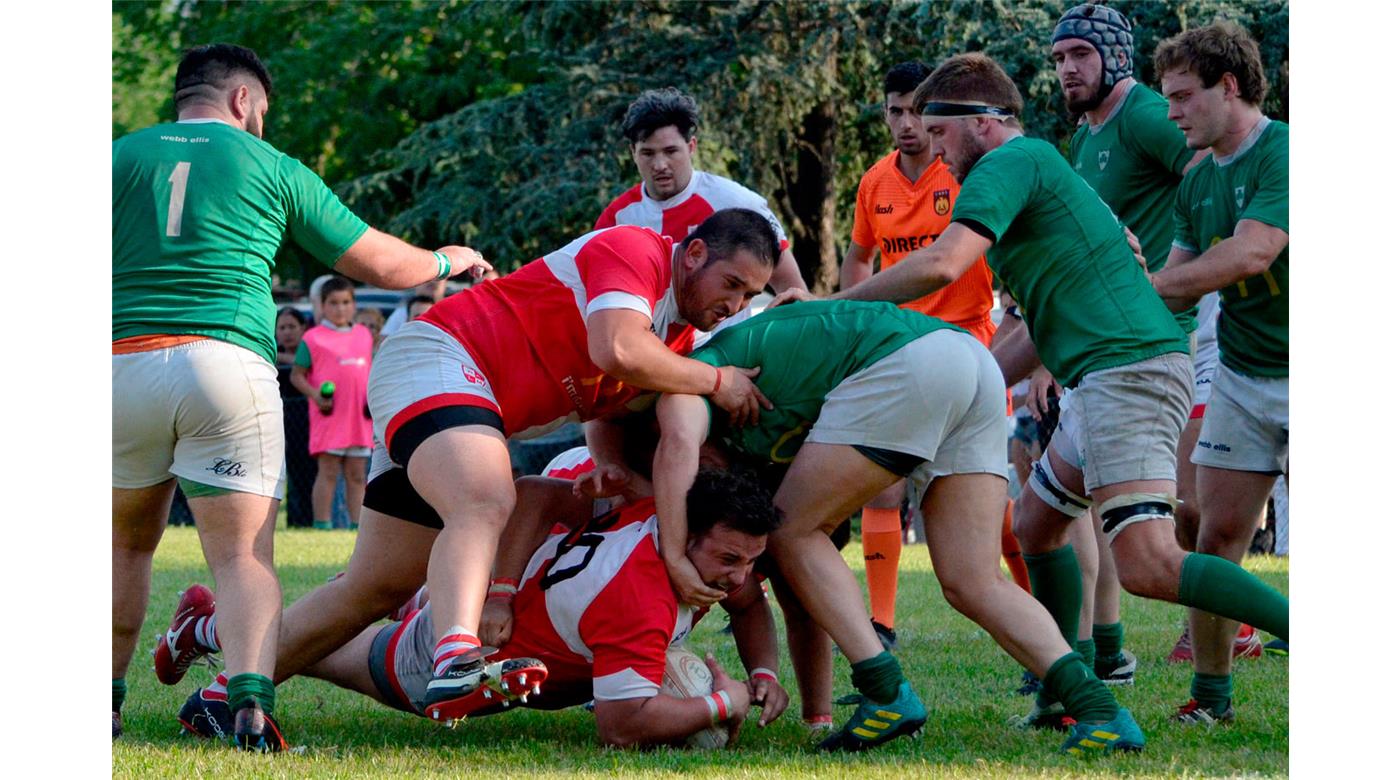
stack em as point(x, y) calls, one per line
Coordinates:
point(569, 464)
point(526, 330)
point(678, 215)
point(596, 605)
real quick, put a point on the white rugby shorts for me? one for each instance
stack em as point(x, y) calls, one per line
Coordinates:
point(207, 411)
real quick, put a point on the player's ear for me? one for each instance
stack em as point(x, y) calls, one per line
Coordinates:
point(241, 101)
point(691, 144)
point(695, 254)
point(1231, 84)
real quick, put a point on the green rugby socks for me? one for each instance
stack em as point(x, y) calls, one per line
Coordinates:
point(1215, 585)
point(118, 693)
point(1055, 584)
point(249, 688)
point(1086, 699)
point(1212, 691)
point(878, 678)
point(1108, 640)
point(1085, 648)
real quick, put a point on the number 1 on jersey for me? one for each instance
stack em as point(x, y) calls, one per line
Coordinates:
point(176, 212)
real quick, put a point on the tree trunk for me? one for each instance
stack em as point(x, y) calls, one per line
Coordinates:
point(813, 197)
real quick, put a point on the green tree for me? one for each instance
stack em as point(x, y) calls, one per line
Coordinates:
point(496, 123)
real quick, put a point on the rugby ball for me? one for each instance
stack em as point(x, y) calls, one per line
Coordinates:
point(687, 675)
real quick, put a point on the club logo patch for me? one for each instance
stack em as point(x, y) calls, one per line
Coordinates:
point(1239, 197)
point(942, 202)
point(1103, 159)
point(473, 376)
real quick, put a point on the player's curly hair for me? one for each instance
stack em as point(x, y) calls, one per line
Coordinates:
point(1212, 51)
point(971, 77)
point(730, 498)
point(905, 77)
point(211, 66)
point(658, 108)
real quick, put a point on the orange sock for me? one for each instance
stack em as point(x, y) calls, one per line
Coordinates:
point(1011, 551)
point(883, 540)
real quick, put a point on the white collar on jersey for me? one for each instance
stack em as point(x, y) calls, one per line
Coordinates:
point(1245, 145)
point(204, 120)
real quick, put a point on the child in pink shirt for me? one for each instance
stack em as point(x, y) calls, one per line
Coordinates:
point(336, 351)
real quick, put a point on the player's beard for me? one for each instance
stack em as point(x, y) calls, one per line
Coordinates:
point(1077, 107)
point(969, 158)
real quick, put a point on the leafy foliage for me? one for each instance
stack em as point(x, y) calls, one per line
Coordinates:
point(495, 123)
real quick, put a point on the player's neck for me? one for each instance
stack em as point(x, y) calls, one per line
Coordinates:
point(208, 112)
point(914, 165)
point(1242, 124)
point(1103, 111)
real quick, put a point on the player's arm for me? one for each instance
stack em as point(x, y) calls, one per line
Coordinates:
point(1014, 351)
point(663, 719)
point(540, 502)
point(385, 261)
point(1249, 252)
point(620, 342)
point(301, 367)
point(786, 274)
point(925, 270)
point(757, 641)
point(857, 266)
point(684, 422)
point(611, 476)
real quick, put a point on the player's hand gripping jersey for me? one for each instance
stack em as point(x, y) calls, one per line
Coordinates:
point(595, 605)
point(526, 331)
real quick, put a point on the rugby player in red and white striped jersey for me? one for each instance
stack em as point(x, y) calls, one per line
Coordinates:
point(672, 197)
point(572, 335)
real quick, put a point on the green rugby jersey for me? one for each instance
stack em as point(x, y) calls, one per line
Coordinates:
point(198, 211)
point(1061, 252)
point(1252, 183)
point(1133, 161)
point(806, 350)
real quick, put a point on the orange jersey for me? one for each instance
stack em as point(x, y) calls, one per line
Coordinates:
point(897, 216)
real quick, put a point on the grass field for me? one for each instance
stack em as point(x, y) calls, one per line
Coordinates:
point(962, 675)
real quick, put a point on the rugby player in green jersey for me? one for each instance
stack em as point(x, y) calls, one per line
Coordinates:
point(865, 394)
point(1097, 325)
point(1231, 235)
point(199, 207)
point(1133, 157)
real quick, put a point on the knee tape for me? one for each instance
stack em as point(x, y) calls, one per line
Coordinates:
point(1122, 511)
point(1044, 484)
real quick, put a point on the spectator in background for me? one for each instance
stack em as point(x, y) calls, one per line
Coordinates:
point(336, 351)
point(433, 291)
point(291, 324)
point(372, 318)
point(418, 305)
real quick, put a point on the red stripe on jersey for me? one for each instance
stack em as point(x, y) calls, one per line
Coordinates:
point(430, 403)
point(390, 653)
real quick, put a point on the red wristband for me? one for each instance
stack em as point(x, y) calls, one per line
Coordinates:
point(719, 377)
point(721, 706)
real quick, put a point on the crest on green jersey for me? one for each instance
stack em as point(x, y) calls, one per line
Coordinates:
point(1103, 158)
point(1239, 197)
